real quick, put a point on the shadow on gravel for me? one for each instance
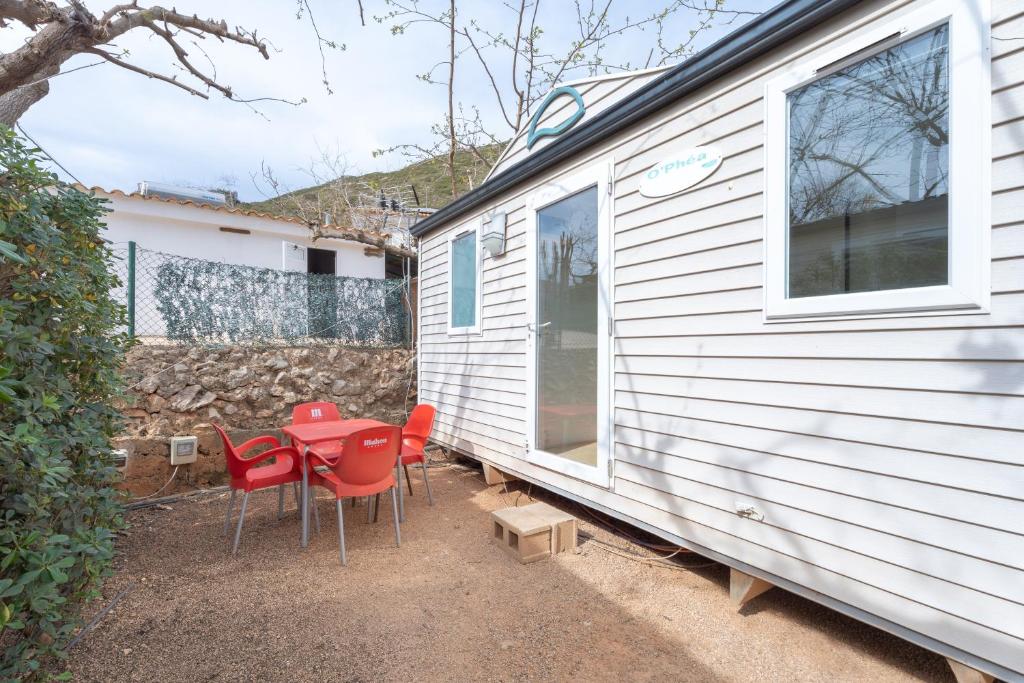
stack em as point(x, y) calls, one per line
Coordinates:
point(447, 605)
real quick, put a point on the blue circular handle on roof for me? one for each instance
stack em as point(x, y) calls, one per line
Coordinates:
point(532, 134)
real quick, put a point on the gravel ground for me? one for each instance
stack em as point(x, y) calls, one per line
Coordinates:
point(448, 605)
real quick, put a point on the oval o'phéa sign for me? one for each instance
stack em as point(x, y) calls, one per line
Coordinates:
point(680, 171)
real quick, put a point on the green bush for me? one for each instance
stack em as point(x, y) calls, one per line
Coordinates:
point(62, 344)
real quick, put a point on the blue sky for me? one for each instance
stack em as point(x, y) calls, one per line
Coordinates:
point(114, 128)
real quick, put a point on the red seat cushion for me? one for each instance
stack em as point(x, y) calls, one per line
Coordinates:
point(411, 454)
point(328, 450)
point(280, 471)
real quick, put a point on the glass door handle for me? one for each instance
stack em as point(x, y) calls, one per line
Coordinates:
point(534, 327)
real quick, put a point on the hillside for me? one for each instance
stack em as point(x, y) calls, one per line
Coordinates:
point(429, 178)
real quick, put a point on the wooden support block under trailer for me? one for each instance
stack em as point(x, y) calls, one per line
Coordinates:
point(966, 674)
point(493, 476)
point(743, 587)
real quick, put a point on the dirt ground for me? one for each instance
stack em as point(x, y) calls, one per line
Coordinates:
point(448, 605)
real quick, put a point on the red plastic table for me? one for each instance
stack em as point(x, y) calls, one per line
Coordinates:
point(318, 432)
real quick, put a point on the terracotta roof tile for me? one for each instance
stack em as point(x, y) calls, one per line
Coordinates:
point(375, 238)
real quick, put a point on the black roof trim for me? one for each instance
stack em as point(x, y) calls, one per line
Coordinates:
point(752, 40)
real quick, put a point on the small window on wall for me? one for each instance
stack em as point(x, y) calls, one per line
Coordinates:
point(464, 282)
point(881, 202)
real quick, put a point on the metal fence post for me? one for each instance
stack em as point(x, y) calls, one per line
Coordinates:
point(407, 273)
point(131, 289)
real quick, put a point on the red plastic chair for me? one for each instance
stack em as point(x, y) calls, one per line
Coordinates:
point(414, 439)
point(245, 476)
point(365, 468)
point(317, 411)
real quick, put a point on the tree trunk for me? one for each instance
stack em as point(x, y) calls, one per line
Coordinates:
point(452, 143)
point(17, 102)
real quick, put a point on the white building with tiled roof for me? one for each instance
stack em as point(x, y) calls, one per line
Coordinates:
point(217, 232)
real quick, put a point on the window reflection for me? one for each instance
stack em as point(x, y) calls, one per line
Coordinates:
point(464, 267)
point(869, 173)
point(567, 306)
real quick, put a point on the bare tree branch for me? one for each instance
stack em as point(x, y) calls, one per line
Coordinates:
point(490, 77)
point(322, 42)
point(147, 73)
point(330, 206)
point(522, 66)
point(63, 31)
point(453, 142)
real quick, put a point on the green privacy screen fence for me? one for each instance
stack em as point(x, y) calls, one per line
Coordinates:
point(193, 301)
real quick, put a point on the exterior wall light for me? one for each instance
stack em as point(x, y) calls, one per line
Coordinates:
point(493, 238)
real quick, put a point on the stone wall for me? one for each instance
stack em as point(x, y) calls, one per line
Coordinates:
point(179, 391)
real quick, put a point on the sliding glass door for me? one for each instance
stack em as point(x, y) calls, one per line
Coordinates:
point(569, 331)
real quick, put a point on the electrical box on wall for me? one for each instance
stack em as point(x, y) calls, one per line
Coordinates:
point(184, 450)
point(120, 458)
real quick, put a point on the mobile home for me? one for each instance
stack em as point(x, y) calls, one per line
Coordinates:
point(769, 305)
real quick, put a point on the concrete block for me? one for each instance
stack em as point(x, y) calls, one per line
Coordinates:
point(534, 531)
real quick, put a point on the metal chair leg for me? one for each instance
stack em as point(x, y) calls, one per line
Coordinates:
point(376, 507)
point(280, 501)
point(295, 490)
point(316, 512)
point(401, 498)
point(426, 483)
point(341, 533)
point(408, 481)
point(241, 519)
point(231, 506)
point(369, 509)
point(304, 513)
point(394, 509)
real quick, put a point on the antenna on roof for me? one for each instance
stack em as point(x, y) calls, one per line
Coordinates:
point(391, 208)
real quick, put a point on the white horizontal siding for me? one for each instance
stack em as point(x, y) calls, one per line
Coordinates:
point(784, 506)
point(974, 337)
point(898, 465)
point(1007, 107)
point(886, 453)
point(979, 410)
point(906, 509)
point(979, 443)
point(1007, 70)
point(980, 329)
point(985, 377)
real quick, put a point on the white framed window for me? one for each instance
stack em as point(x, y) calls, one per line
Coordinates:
point(464, 275)
point(877, 168)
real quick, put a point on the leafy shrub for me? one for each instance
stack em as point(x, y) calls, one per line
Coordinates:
point(62, 345)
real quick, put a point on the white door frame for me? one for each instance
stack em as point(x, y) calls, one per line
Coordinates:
point(598, 174)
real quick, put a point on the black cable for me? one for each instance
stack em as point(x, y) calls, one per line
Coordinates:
point(668, 561)
point(96, 619)
point(48, 155)
point(608, 525)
